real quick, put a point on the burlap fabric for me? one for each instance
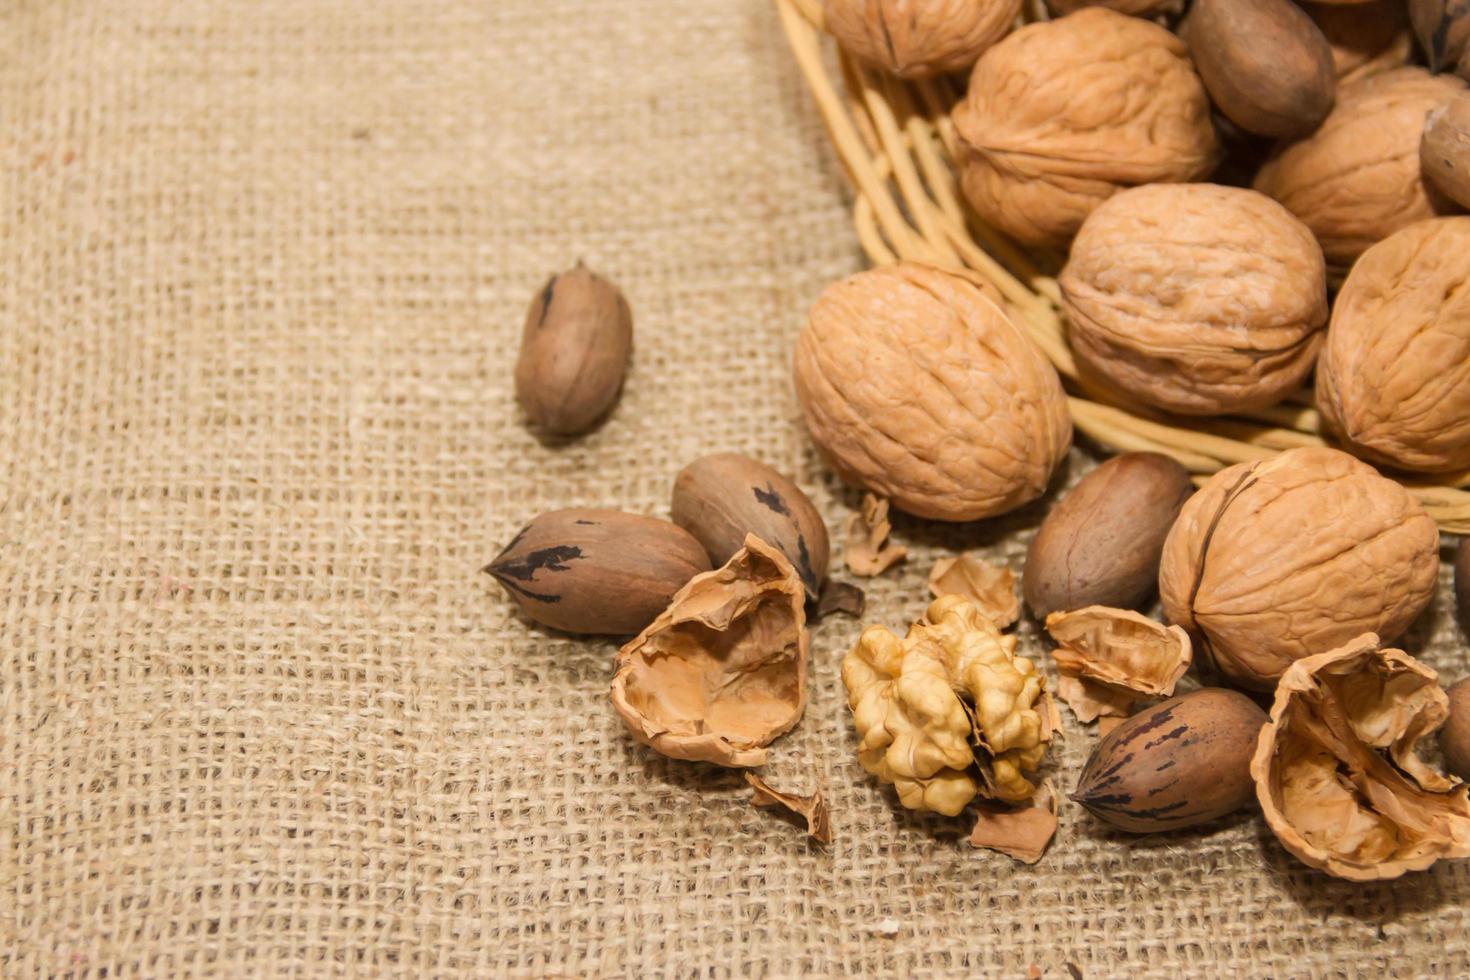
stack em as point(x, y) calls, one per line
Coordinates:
point(262, 270)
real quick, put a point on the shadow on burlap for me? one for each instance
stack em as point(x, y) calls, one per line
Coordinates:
point(262, 271)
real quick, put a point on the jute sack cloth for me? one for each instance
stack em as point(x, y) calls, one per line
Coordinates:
point(262, 270)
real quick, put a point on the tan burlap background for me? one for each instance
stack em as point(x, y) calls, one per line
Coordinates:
point(262, 270)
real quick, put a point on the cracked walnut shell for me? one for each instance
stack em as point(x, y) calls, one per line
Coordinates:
point(1281, 559)
point(949, 712)
point(1357, 178)
point(721, 672)
point(1062, 114)
point(918, 387)
point(1336, 771)
point(1394, 379)
point(919, 38)
point(1196, 298)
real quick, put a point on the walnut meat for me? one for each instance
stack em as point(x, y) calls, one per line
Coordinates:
point(919, 38)
point(1336, 771)
point(949, 712)
point(722, 671)
point(917, 386)
point(1356, 179)
point(1277, 560)
point(1062, 114)
point(1196, 298)
point(1394, 380)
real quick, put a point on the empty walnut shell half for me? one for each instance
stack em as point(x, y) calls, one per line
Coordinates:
point(1394, 379)
point(917, 386)
point(721, 672)
point(1280, 559)
point(1196, 298)
point(1336, 771)
point(1062, 114)
point(1121, 648)
point(919, 38)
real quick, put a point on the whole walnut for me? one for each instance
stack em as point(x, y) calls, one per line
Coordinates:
point(1062, 114)
point(1356, 179)
point(1394, 379)
point(1280, 559)
point(919, 38)
point(917, 386)
point(1196, 298)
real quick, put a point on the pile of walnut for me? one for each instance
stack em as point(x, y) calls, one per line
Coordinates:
point(1323, 262)
point(1214, 172)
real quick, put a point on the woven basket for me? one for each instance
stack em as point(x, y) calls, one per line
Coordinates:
point(898, 145)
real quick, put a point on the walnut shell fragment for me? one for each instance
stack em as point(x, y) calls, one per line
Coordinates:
point(1022, 832)
point(722, 671)
point(1120, 648)
point(1062, 114)
point(1330, 793)
point(917, 386)
point(991, 587)
point(949, 712)
point(813, 808)
point(1394, 377)
point(1093, 700)
point(919, 38)
point(868, 552)
point(1276, 560)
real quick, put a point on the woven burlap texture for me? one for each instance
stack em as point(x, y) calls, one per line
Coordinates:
point(263, 266)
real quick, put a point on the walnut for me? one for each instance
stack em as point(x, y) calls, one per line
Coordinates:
point(1336, 771)
point(1356, 179)
point(919, 38)
point(1280, 559)
point(722, 671)
point(1394, 379)
point(1062, 114)
point(949, 712)
point(918, 387)
point(1196, 298)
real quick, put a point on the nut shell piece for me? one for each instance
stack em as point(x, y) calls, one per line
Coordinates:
point(1062, 114)
point(1394, 377)
point(915, 385)
point(919, 38)
point(1327, 790)
point(1357, 179)
point(721, 672)
point(1281, 559)
point(590, 570)
point(1196, 298)
point(1120, 648)
point(723, 497)
point(1100, 544)
point(949, 712)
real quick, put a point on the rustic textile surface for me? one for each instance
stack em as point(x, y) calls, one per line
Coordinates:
point(262, 270)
